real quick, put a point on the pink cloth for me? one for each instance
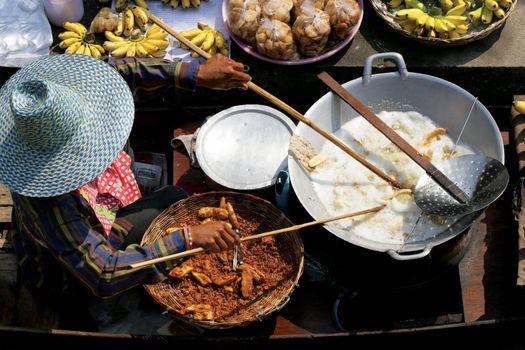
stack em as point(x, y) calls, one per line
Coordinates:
point(115, 188)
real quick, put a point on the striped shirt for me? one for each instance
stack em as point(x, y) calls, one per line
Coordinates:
point(57, 239)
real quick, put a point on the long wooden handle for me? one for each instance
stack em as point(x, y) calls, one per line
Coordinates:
point(257, 236)
point(393, 136)
point(281, 104)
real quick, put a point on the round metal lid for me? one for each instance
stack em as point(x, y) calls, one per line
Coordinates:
point(244, 147)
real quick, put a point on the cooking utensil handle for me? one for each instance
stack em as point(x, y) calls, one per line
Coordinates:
point(404, 257)
point(263, 93)
point(393, 136)
point(253, 237)
point(397, 58)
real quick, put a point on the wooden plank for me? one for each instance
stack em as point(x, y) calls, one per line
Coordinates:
point(5, 214)
point(8, 268)
point(5, 196)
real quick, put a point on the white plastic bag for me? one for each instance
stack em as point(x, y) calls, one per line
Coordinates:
point(25, 33)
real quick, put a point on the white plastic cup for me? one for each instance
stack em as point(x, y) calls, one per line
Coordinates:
point(60, 11)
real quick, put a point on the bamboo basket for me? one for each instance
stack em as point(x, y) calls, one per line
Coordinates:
point(477, 33)
point(290, 245)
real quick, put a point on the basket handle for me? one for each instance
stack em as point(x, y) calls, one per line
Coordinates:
point(396, 57)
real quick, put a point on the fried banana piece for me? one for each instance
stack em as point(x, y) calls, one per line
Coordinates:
point(223, 256)
point(215, 212)
point(201, 278)
point(433, 134)
point(231, 215)
point(257, 275)
point(201, 312)
point(179, 272)
point(246, 283)
point(222, 203)
point(224, 281)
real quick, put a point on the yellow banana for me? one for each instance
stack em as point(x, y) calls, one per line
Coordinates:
point(457, 10)
point(419, 31)
point(519, 106)
point(395, 3)
point(475, 15)
point(446, 4)
point(405, 12)
point(185, 3)
point(195, 3)
point(81, 49)
point(99, 48)
point(500, 13)
point(194, 54)
point(491, 4)
point(94, 51)
point(208, 41)
point(112, 46)
point(121, 51)
point(75, 27)
point(413, 16)
point(129, 22)
point(219, 39)
point(73, 47)
point(191, 33)
point(421, 20)
point(155, 29)
point(121, 5)
point(439, 26)
point(140, 50)
point(450, 26)
point(415, 4)
point(431, 33)
point(68, 35)
point(157, 36)
point(131, 50)
point(213, 50)
point(120, 25)
point(457, 20)
point(453, 35)
point(165, 1)
point(150, 48)
point(112, 37)
point(462, 29)
point(505, 3)
point(161, 44)
point(158, 54)
point(142, 3)
point(174, 3)
point(199, 39)
point(429, 24)
point(486, 15)
point(224, 51)
point(67, 42)
point(141, 17)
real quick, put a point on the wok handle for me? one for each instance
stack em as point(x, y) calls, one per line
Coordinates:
point(404, 257)
point(396, 57)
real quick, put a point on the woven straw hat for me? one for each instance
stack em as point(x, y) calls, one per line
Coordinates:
point(64, 119)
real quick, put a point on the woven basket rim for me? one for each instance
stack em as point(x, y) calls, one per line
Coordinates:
point(381, 9)
point(283, 289)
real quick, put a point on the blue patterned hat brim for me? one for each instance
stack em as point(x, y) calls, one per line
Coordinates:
point(34, 172)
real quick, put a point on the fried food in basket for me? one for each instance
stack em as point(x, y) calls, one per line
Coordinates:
point(215, 212)
point(207, 287)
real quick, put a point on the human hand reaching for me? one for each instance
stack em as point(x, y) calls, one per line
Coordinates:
point(215, 236)
point(220, 72)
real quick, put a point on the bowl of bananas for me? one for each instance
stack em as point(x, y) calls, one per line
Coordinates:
point(444, 22)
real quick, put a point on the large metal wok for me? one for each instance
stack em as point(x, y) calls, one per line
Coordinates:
point(445, 103)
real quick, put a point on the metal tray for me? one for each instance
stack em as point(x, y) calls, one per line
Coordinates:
point(244, 147)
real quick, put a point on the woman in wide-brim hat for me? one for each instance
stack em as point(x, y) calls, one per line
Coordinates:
point(78, 210)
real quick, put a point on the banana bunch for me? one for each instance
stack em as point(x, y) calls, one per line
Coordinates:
point(153, 44)
point(131, 16)
point(76, 39)
point(447, 19)
point(519, 106)
point(208, 39)
point(489, 10)
point(183, 3)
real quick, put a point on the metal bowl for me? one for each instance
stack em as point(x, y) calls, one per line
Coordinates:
point(244, 147)
point(445, 103)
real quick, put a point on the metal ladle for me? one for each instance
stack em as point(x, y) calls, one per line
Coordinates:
point(460, 185)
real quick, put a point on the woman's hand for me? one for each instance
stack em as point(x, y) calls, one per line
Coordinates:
point(215, 236)
point(220, 72)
